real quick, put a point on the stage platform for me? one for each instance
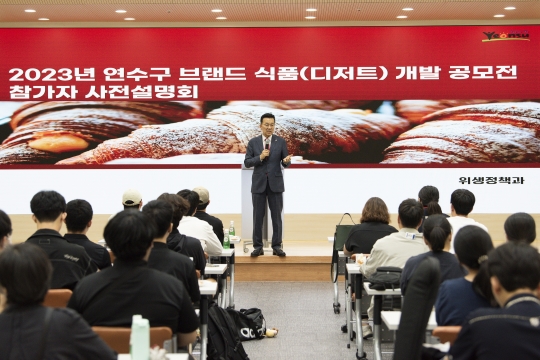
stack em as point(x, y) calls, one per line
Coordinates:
point(305, 261)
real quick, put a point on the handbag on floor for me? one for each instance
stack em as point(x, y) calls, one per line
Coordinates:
point(249, 322)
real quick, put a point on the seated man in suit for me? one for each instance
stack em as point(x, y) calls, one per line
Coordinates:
point(511, 332)
point(166, 260)
point(78, 221)
point(70, 262)
point(112, 296)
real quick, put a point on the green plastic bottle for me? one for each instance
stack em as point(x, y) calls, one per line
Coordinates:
point(226, 240)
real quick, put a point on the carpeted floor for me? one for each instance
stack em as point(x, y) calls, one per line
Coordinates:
point(303, 313)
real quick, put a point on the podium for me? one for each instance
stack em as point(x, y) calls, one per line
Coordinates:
point(247, 215)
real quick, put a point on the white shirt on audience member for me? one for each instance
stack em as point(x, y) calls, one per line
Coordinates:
point(394, 250)
point(199, 229)
point(457, 222)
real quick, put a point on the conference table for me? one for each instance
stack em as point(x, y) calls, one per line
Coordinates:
point(354, 274)
point(207, 289)
point(221, 270)
point(392, 318)
point(234, 241)
point(169, 356)
point(378, 300)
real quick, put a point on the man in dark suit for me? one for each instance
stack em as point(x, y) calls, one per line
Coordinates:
point(267, 153)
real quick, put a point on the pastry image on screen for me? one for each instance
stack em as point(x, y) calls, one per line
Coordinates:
point(316, 131)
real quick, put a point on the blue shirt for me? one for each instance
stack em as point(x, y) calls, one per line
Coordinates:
point(456, 300)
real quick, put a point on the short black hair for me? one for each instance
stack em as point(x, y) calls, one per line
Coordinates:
point(179, 204)
point(25, 273)
point(267, 116)
point(520, 227)
point(79, 214)
point(410, 213)
point(516, 265)
point(161, 212)
point(5, 225)
point(203, 206)
point(433, 208)
point(129, 234)
point(463, 201)
point(47, 205)
point(428, 194)
point(192, 197)
point(436, 231)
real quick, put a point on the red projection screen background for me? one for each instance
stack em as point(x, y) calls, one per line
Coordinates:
point(418, 96)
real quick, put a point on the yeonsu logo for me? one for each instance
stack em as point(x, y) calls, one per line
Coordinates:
point(505, 36)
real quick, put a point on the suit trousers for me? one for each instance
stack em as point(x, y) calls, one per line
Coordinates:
point(275, 202)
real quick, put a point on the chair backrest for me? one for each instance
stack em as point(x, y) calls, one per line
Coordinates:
point(57, 298)
point(417, 306)
point(118, 337)
point(447, 333)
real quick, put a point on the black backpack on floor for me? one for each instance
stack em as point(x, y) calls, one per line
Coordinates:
point(223, 340)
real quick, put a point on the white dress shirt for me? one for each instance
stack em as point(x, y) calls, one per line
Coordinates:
point(199, 229)
point(457, 222)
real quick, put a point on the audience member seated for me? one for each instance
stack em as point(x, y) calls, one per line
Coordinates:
point(166, 260)
point(520, 227)
point(29, 330)
point(201, 214)
point(461, 204)
point(429, 198)
point(437, 236)
point(373, 226)
point(5, 230)
point(112, 296)
point(78, 220)
point(458, 297)
point(197, 228)
point(511, 332)
point(70, 262)
point(395, 249)
point(180, 243)
point(132, 200)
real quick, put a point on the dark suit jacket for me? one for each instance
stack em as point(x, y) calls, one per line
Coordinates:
point(271, 165)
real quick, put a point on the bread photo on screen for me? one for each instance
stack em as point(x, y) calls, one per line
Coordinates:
point(46, 132)
point(329, 136)
point(484, 133)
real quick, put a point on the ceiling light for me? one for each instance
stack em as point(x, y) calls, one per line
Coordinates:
point(217, 10)
point(402, 16)
point(221, 18)
point(43, 19)
point(310, 17)
point(498, 15)
point(407, 9)
point(129, 19)
point(121, 11)
point(509, 8)
point(30, 10)
point(311, 9)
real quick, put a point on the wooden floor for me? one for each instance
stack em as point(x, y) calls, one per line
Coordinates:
point(305, 261)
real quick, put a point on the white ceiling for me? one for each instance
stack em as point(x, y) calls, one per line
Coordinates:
point(194, 13)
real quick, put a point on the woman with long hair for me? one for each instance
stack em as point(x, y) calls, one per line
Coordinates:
point(458, 297)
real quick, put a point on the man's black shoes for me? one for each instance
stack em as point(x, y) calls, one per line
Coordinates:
point(257, 252)
point(279, 252)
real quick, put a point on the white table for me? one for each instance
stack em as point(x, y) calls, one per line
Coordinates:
point(207, 289)
point(354, 274)
point(392, 318)
point(219, 269)
point(230, 254)
point(169, 356)
point(378, 299)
